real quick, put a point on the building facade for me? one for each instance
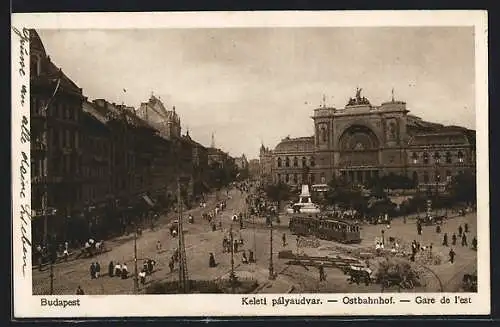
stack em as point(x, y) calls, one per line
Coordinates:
point(360, 142)
point(56, 152)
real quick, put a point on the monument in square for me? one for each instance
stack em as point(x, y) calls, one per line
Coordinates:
point(305, 204)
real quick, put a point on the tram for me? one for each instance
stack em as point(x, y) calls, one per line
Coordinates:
point(325, 228)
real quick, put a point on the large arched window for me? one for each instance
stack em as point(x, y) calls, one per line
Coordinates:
point(425, 158)
point(287, 162)
point(448, 157)
point(295, 162)
point(437, 157)
point(304, 162)
point(279, 163)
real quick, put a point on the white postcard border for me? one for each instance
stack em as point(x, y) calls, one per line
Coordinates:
point(27, 305)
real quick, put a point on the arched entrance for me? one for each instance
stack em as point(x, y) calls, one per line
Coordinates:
point(359, 147)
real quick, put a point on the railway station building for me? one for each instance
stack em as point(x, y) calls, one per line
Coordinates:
point(362, 141)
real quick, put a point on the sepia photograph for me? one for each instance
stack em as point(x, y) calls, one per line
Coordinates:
point(290, 161)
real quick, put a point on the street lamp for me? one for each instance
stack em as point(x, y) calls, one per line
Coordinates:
point(232, 276)
point(271, 267)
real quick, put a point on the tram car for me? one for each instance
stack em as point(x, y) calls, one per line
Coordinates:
point(325, 228)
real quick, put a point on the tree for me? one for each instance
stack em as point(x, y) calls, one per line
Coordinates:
point(278, 192)
point(395, 181)
point(463, 187)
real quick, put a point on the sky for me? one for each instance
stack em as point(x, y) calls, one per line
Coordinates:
point(249, 86)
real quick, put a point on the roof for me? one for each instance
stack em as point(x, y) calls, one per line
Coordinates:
point(300, 144)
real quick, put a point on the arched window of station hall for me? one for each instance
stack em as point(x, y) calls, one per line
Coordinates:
point(295, 161)
point(278, 177)
point(460, 156)
point(295, 178)
point(425, 158)
point(279, 162)
point(287, 162)
point(437, 157)
point(287, 178)
point(426, 177)
point(304, 162)
point(312, 163)
point(414, 157)
point(448, 157)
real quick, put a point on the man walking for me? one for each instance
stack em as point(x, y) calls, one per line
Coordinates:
point(445, 239)
point(452, 255)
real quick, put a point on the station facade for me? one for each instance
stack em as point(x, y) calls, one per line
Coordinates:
point(362, 141)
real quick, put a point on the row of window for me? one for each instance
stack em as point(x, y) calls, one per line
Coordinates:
point(297, 178)
point(65, 138)
point(295, 162)
point(61, 110)
point(437, 157)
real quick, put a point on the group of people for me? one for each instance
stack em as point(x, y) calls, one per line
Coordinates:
point(118, 270)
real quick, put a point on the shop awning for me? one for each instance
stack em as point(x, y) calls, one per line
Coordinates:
point(148, 200)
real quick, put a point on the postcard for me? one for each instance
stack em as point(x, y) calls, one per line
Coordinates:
point(250, 164)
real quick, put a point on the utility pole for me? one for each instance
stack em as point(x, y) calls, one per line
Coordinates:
point(232, 276)
point(183, 273)
point(136, 280)
point(271, 267)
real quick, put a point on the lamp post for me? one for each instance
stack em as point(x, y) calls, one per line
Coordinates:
point(271, 267)
point(232, 276)
point(383, 239)
point(136, 281)
point(436, 175)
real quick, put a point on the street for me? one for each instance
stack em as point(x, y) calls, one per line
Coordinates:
point(200, 240)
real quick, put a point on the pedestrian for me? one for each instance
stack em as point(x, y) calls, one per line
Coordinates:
point(474, 244)
point(211, 260)
point(150, 265)
point(124, 271)
point(142, 276)
point(111, 267)
point(438, 229)
point(241, 222)
point(460, 230)
point(466, 228)
point(445, 239)
point(97, 269)
point(158, 245)
point(118, 270)
point(250, 256)
point(322, 275)
point(235, 246)
point(283, 239)
point(454, 239)
point(464, 239)
point(452, 255)
point(79, 291)
point(244, 258)
point(92, 270)
point(419, 228)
